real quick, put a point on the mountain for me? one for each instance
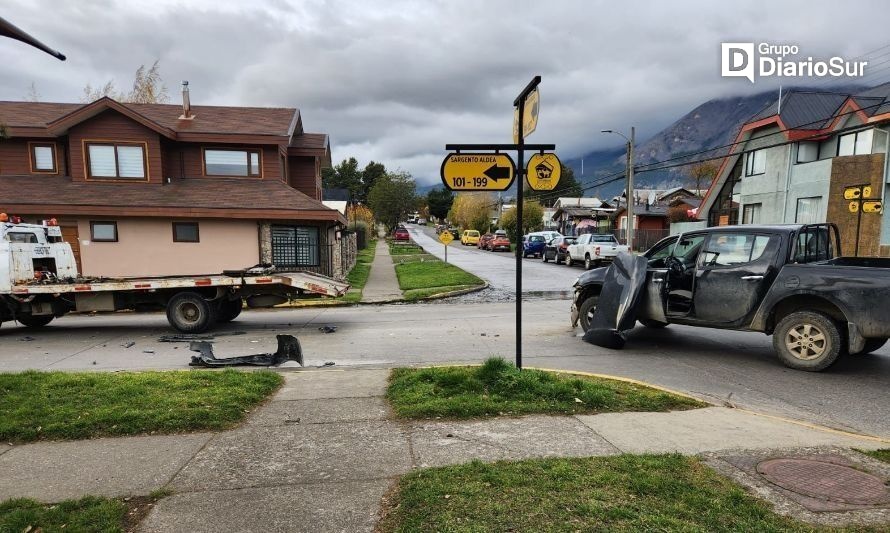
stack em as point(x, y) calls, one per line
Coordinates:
point(712, 124)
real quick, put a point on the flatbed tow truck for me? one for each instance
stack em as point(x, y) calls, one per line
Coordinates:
point(39, 281)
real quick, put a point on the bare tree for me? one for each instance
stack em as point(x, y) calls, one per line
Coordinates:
point(148, 88)
point(702, 173)
point(33, 95)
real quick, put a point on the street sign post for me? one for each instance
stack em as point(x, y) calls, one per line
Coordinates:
point(543, 171)
point(478, 172)
point(495, 172)
point(445, 238)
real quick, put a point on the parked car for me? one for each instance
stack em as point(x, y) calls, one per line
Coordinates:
point(485, 241)
point(455, 233)
point(557, 249)
point(786, 281)
point(500, 242)
point(594, 249)
point(533, 244)
point(469, 237)
point(401, 234)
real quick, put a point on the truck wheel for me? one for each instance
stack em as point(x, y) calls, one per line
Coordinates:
point(569, 260)
point(228, 310)
point(544, 257)
point(31, 321)
point(586, 310)
point(588, 264)
point(808, 340)
point(654, 324)
point(872, 345)
point(189, 312)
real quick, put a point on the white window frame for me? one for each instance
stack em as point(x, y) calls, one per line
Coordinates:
point(864, 134)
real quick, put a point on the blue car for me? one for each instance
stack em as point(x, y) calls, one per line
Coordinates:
point(533, 244)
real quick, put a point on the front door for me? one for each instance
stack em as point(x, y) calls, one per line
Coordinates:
point(733, 273)
point(72, 237)
point(679, 280)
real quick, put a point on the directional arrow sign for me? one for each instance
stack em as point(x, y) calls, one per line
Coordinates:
point(478, 172)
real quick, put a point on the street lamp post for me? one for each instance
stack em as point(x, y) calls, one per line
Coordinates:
point(630, 184)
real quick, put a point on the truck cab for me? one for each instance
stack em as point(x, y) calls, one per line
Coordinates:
point(33, 252)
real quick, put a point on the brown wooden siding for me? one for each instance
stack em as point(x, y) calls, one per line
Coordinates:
point(304, 176)
point(14, 159)
point(112, 126)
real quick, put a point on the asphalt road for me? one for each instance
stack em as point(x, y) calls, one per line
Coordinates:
point(499, 268)
point(737, 368)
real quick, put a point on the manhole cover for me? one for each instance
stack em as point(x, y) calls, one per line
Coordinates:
point(826, 481)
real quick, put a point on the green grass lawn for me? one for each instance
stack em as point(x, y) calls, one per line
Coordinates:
point(621, 493)
point(431, 274)
point(87, 514)
point(883, 454)
point(497, 387)
point(62, 405)
point(404, 249)
point(358, 276)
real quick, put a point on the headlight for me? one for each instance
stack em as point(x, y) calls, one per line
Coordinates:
point(576, 282)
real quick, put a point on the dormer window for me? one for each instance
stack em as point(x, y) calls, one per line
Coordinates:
point(223, 162)
point(43, 158)
point(116, 161)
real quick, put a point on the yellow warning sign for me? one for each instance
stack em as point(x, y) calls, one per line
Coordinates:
point(478, 172)
point(543, 171)
point(874, 206)
point(530, 112)
point(446, 237)
point(854, 207)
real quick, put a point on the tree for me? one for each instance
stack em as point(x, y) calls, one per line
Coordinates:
point(392, 198)
point(345, 175)
point(568, 187)
point(532, 220)
point(702, 173)
point(472, 211)
point(148, 88)
point(439, 202)
point(373, 171)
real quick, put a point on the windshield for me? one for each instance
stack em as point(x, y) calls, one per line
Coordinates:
point(536, 238)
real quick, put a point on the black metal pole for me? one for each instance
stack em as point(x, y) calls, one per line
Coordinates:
point(520, 169)
point(858, 224)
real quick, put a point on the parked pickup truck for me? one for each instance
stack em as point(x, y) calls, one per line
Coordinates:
point(39, 281)
point(786, 281)
point(594, 249)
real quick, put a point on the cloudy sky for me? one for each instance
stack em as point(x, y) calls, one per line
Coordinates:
point(395, 80)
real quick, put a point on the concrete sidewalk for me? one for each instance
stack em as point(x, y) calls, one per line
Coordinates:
point(320, 455)
point(382, 285)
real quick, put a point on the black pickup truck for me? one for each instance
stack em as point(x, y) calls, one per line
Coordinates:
point(782, 280)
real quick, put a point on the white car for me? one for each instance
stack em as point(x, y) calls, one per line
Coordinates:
point(594, 249)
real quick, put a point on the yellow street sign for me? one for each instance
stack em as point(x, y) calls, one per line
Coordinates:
point(543, 172)
point(478, 172)
point(866, 191)
point(874, 206)
point(530, 112)
point(854, 207)
point(515, 125)
point(446, 237)
point(852, 193)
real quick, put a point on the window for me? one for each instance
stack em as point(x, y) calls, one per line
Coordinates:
point(751, 214)
point(808, 210)
point(185, 232)
point(120, 161)
point(43, 158)
point(807, 151)
point(755, 163)
point(103, 231)
point(231, 163)
point(857, 143)
point(729, 249)
point(21, 237)
point(295, 246)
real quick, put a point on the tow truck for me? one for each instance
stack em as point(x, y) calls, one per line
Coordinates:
point(39, 281)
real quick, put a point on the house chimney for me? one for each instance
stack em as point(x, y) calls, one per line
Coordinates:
point(186, 104)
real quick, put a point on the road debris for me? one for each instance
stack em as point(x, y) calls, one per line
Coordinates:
point(289, 349)
point(328, 329)
point(129, 344)
point(189, 337)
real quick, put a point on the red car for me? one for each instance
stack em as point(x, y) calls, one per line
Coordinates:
point(499, 242)
point(401, 234)
point(485, 241)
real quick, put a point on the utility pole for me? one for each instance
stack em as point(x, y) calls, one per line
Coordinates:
point(630, 190)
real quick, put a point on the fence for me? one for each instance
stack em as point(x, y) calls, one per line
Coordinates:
point(643, 238)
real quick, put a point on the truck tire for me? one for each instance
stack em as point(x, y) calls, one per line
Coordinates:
point(569, 260)
point(872, 345)
point(588, 264)
point(189, 312)
point(544, 256)
point(31, 321)
point(228, 310)
point(585, 312)
point(808, 340)
point(654, 324)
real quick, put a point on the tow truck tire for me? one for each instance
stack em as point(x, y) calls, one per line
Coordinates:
point(229, 310)
point(585, 312)
point(872, 345)
point(808, 340)
point(30, 321)
point(189, 312)
point(654, 324)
